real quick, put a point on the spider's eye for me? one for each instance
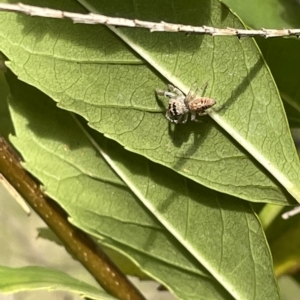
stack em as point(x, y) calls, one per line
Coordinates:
point(174, 109)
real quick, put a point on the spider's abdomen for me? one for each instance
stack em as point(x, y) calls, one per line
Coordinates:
point(200, 104)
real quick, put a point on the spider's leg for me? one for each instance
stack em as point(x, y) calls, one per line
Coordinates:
point(159, 92)
point(185, 118)
point(175, 90)
point(202, 113)
point(169, 94)
point(178, 120)
point(197, 121)
point(193, 116)
point(189, 97)
point(165, 93)
point(204, 87)
point(169, 116)
point(192, 95)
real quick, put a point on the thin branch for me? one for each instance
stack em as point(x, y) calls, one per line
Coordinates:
point(152, 26)
point(82, 247)
point(291, 213)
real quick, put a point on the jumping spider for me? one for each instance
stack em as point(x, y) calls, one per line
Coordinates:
point(180, 105)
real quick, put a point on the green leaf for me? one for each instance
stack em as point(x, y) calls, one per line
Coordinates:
point(5, 122)
point(34, 278)
point(282, 56)
point(271, 14)
point(88, 70)
point(284, 243)
point(209, 242)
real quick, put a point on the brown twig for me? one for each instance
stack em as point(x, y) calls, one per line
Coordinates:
point(152, 26)
point(82, 247)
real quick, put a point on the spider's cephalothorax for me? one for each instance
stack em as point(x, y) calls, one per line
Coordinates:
point(176, 110)
point(180, 105)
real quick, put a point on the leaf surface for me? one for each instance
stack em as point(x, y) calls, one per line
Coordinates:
point(248, 110)
point(34, 278)
point(284, 62)
point(271, 14)
point(90, 71)
point(281, 54)
point(197, 242)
